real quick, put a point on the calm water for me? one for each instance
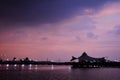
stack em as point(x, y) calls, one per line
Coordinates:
point(50, 72)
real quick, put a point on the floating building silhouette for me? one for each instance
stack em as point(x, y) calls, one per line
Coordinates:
point(85, 58)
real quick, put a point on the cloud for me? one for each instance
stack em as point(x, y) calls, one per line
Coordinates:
point(58, 27)
point(115, 31)
point(32, 12)
point(92, 35)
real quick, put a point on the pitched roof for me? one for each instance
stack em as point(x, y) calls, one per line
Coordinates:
point(85, 57)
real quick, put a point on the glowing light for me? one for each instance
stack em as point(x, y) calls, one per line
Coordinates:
point(30, 59)
point(15, 65)
point(7, 65)
point(7, 59)
point(30, 66)
point(52, 67)
point(22, 65)
point(69, 67)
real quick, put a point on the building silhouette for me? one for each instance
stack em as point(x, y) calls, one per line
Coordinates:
point(85, 58)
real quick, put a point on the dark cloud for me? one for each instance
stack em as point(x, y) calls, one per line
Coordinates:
point(30, 12)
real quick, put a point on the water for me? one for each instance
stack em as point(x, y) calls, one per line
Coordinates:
point(51, 72)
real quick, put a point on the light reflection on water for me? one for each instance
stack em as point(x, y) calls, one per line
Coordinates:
point(32, 67)
point(52, 72)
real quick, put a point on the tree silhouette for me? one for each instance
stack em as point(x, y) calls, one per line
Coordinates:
point(1, 60)
point(26, 59)
point(14, 58)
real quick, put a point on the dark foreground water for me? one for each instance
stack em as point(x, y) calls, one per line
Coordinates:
point(50, 72)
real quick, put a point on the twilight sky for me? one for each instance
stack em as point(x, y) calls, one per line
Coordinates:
point(59, 29)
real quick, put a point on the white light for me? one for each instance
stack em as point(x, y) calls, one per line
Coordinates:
point(116, 60)
point(30, 65)
point(7, 59)
point(22, 65)
point(69, 67)
point(30, 59)
point(7, 65)
point(15, 65)
point(52, 67)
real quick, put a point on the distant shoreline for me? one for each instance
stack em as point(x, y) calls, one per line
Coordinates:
point(73, 64)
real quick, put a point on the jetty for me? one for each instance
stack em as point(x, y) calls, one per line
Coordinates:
point(85, 61)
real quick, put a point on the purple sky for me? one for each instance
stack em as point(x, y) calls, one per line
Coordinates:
point(59, 29)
